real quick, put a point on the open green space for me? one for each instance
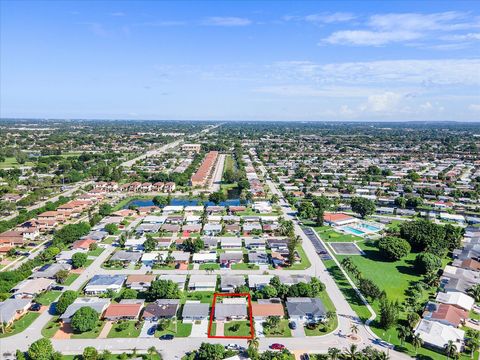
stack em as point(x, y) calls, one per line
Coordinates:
point(282, 330)
point(11, 162)
point(51, 327)
point(21, 324)
point(95, 252)
point(304, 262)
point(92, 334)
point(176, 328)
point(131, 331)
point(209, 266)
point(205, 297)
point(70, 279)
point(243, 328)
point(328, 234)
point(47, 297)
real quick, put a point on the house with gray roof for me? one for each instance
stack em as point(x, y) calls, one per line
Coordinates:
point(96, 303)
point(49, 271)
point(12, 309)
point(100, 284)
point(230, 311)
point(194, 311)
point(229, 258)
point(123, 256)
point(228, 283)
point(306, 309)
point(259, 258)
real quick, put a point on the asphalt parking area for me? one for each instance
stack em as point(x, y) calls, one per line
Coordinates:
point(346, 248)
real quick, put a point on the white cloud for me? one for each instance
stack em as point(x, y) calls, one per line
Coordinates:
point(474, 107)
point(462, 37)
point(386, 102)
point(227, 21)
point(323, 18)
point(366, 37)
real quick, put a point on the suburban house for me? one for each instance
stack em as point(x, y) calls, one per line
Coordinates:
point(204, 257)
point(202, 283)
point(100, 284)
point(210, 242)
point(150, 258)
point(445, 314)
point(437, 335)
point(457, 299)
point(161, 309)
point(230, 243)
point(228, 283)
point(65, 257)
point(267, 307)
point(255, 243)
point(83, 244)
point(126, 309)
point(180, 280)
point(212, 229)
point(257, 282)
point(96, 303)
point(228, 258)
point(230, 311)
point(13, 309)
point(195, 311)
point(126, 257)
point(181, 259)
point(30, 288)
point(139, 282)
point(259, 258)
point(50, 270)
point(305, 309)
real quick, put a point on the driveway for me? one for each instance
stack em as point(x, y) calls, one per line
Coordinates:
point(259, 328)
point(299, 331)
point(146, 326)
point(200, 330)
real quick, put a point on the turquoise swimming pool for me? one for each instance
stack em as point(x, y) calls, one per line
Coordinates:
point(353, 230)
point(361, 229)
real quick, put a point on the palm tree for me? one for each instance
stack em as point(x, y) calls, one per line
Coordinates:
point(403, 333)
point(334, 353)
point(416, 342)
point(254, 343)
point(475, 292)
point(351, 353)
point(473, 341)
point(354, 328)
point(347, 264)
point(450, 349)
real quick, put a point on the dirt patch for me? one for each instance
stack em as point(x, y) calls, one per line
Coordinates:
point(65, 332)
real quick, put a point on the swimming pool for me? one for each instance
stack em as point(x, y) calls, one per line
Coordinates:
point(353, 230)
point(369, 227)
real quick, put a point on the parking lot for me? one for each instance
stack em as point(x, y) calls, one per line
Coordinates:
point(346, 248)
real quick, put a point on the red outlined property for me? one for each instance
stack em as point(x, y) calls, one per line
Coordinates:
point(248, 315)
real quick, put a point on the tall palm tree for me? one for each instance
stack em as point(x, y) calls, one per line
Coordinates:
point(254, 343)
point(475, 292)
point(347, 263)
point(473, 341)
point(403, 333)
point(334, 353)
point(450, 349)
point(416, 342)
point(354, 328)
point(351, 353)
point(152, 351)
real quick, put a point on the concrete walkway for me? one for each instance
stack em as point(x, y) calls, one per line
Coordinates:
point(106, 329)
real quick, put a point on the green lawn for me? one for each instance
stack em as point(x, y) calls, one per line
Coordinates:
point(109, 239)
point(21, 324)
point(176, 328)
point(131, 331)
point(330, 235)
point(282, 330)
point(350, 295)
point(11, 162)
point(304, 262)
point(205, 297)
point(244, 266)
point(93, 334)
point(213, 329)
point(209, 266)
point(71, 278)
point(51, 328)
point(95, 252)
point(244, 329)
point(48, 297)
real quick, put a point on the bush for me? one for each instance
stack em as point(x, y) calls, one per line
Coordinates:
point(427, 263)
point(65, 300)
point(394, 248)
point(41, 349)
point(79, 260)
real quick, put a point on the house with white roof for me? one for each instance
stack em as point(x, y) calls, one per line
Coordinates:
point(438, 335)
point(202, 283)
point(457, 299)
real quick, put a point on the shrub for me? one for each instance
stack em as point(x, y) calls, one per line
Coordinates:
point(394, 248)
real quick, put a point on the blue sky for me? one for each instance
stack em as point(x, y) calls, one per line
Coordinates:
point(295, 60)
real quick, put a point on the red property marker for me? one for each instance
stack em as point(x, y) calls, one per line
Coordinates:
point(212, 314)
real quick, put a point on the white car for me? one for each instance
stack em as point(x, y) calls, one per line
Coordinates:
point(232, 347)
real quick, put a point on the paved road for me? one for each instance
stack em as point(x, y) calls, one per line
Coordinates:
point(218, 174)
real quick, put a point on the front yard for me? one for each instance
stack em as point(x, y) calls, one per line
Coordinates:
point(282, 330)
point(130, 330)
point(237, 328)
point(47, 297)
point(21, 324)
point(93, 334)
point(176, 328)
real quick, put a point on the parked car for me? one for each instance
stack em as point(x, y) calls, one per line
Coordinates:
point(151, 331)
point(305, 357)
point(232, 347)
point(292, 325)
point(57, 288)
point(166, 337)
point(277, 346)
point(35, 307)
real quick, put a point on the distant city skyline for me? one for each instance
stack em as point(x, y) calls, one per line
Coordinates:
point(310, 61)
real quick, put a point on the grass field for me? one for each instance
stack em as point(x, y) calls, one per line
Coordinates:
point(48, 297)
point(209, 266)
point(11, 162)
point(70, 279)
point(282, 330)
point(93, 334)
point(51, 328)
point(203, 296)
point(130, 332)
point(21, 324)
point(243, 330)
point(176, 328)
point(304, 262)
point(330, 235)
point(95, 252)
